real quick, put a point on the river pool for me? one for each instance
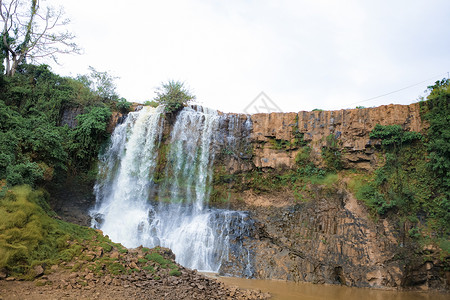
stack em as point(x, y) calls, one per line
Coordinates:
point(284, 290)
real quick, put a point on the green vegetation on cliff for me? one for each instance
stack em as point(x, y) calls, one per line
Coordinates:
point(34, 148)
point(173, 95)
point(414, 181)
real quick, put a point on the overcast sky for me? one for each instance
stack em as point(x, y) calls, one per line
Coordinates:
point(325, 54)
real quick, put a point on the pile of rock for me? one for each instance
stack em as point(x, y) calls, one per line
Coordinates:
point(141, 283)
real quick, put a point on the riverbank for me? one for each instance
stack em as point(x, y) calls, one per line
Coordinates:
point(158, 283)
point(65, 285)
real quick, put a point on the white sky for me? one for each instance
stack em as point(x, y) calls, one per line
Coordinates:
point(324, 54)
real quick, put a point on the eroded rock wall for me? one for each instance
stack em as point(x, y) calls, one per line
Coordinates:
point(351, 127)
point(326, 240)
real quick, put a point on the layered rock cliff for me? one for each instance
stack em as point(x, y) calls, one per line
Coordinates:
point(351, 127)
point(329, 236)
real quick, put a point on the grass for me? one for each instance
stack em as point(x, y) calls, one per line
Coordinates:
point(30, 236)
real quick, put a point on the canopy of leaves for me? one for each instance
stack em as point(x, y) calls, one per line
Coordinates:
point(174, 96)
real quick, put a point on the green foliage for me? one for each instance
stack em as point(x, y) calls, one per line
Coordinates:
point(149, 268)
point(88, 135)
point(157, 258)
point(299, 140)
point(100, 83)
point(303, 156)
point(331, 154)
point(279, 144)
point(393, 136)
point(174, 273)
point(31, 148)
point(34, 149)
point(407, 185)
point(123, 105)
point(173, 95)
point(151, 103)
point(438, 145)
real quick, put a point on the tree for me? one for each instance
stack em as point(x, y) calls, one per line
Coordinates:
point(173, 95)
point(33, 32)
point(101, 83)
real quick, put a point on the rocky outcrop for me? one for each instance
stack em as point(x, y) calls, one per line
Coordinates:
point(332, 239)
point(326, 240)
point(350, 127)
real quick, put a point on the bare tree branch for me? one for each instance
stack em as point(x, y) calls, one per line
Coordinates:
point(32, 32)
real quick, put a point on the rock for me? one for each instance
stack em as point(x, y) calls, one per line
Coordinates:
point(350, 126)
point(38, 271)
point(114, 255)
point(3, 274)
point(133, 265)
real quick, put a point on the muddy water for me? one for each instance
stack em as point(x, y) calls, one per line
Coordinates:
point(282, 290)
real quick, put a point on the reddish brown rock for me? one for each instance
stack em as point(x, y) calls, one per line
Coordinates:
point(351, 127)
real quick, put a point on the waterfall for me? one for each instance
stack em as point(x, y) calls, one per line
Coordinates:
point(151, 198)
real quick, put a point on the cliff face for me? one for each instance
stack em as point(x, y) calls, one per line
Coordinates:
point(331, 237)
point(350, 127)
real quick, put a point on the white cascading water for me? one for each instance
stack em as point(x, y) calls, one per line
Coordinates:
point(133, 210)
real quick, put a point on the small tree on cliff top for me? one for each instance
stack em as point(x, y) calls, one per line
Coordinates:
point(173, 95)
point(31, 31)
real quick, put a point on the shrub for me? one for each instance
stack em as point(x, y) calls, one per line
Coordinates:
point(123, 105)
point(174, 96)
point(331, 154)
point(151, 103)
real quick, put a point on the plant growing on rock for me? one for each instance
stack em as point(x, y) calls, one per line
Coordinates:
point(332, 154)
point(174, 96)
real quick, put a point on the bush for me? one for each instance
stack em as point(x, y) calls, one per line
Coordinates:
point(331, 154)
point(174, 96)
point(88, 135)
point(123, 105)
point(393, 136)
point(151, 103)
